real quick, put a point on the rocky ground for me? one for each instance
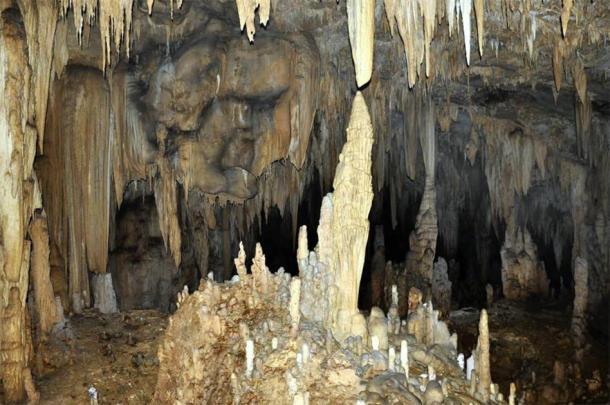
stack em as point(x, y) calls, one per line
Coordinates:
point(116, 354)
point(526, 341)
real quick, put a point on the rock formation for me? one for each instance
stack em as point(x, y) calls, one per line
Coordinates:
point(351, 199)
point(441, 286)
point(482, 373)
point(422, 241)
point(579, 319)
point(20, 196)
point(44, 298)
point(361, 23)
point(523, 275)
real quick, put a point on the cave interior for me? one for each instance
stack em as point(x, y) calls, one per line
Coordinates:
point(305, 201)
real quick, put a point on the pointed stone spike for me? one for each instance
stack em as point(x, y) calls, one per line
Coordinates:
point(361, 24)
point(479, 10)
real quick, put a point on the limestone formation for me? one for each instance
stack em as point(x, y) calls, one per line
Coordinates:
point(19, 194)
point(246, 10)
point(361, 23)
point(441, 286)
point(104, 296)
point(579, 319)
point(352, 198)
point(482, 373)
point(41, 279)
point(523, 275)
point(422, 241)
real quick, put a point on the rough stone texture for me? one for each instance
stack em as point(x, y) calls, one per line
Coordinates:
point(104, 297)
point(441, 286)
point(579, 318)
point(523, 275)
point(46, 313)
point(207, 336)
point(19, 194)
point(361, 25)
point(352, 198)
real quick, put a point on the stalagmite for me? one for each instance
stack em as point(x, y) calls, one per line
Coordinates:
point(41, 280)
point(295, 298)
point(482, 365)
point(391, 358)
point(352, 200)
point(579, 321)
point(513, 394)
point(103, 293)
point(422, 241)
point(378, 328)
point(404, 357)
point(361, 24)
point(249, 357)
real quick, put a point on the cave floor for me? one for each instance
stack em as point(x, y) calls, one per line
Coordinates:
point(528, 337)
point(116, 354)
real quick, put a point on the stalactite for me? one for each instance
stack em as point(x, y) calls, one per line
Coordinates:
point(40, 19)
point(361, 23)
point(246, 10)
point(508, 150)
point(583, 111)
point(131, 151)
point(466, 9)
point(479, 11)
point(558, 52)
point(565, 15)
point(166, 198)
point(114, 20)
point(451, 15)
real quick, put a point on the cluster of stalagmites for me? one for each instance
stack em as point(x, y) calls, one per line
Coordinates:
point(260, 338)
point(267, 337)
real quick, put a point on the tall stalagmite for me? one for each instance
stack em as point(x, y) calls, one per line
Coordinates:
point(422, 241)
point(352, 199)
